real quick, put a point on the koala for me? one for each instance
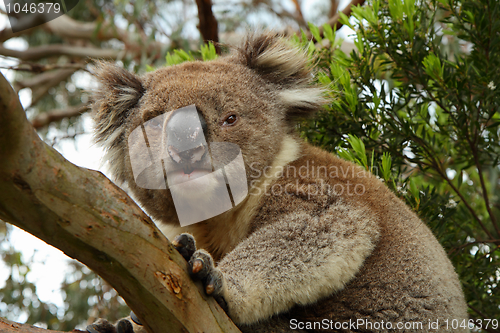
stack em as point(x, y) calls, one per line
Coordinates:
point(316, 244)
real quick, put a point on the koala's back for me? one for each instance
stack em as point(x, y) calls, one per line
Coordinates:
point(407, 278)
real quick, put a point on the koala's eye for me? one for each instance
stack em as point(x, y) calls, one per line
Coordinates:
point(230, 120)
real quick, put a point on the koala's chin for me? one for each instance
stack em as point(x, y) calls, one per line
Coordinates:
point(200, 184)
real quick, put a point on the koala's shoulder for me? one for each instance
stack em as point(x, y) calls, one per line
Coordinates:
point(318, 179)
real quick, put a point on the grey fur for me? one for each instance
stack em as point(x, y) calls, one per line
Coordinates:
point(307, 254)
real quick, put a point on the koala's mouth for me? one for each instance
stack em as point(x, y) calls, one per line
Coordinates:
point(183, 175)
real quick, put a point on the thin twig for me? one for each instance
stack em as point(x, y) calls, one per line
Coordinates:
point(334, 6)
point(44, 119)
point(39, 68)
point(45, 51)
point(485, 193)
point(334, 21)
point(299, 15)
point(58, 139)
point(460, 247)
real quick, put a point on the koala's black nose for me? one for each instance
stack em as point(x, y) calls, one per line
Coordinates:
point(188, 157)
point(186, 143)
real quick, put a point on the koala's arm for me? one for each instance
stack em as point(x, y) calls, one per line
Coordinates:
point(298, 258)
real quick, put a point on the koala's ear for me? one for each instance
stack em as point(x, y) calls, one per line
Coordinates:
point(118, 93)
point(272, 57)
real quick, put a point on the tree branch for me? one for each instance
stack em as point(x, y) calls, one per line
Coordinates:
point(40, 68)
point(485, 191)
point(45, 118)
point(41, 84)
point(66, 27)
point(44, 78)
point(334, 21)
point(7, 326)
point(463, 246)
point(483, 316)
point(208, 25)
point(85, 215)
point(26, 25)
point(298, 13)
point(7, 33)
point(45, 51)
point(334, 6)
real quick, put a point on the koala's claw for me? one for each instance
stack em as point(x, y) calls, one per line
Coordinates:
point(185, 245)
point(104, 326)
point(202, 268)
point(200, 264)
point(124, 326)
point(197, 266)
point(101, 326)
point(214, 283)
point(134, 318)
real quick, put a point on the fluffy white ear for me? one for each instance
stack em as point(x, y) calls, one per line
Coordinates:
point(118, 93)
point(272, 57)
point(302, 102)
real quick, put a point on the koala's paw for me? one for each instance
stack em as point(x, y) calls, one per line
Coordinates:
point(104, 326)
point(122, 326)
point(201, 267)
point(185, 245)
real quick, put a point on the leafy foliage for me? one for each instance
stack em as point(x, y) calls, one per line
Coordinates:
point(207, 52)
point(421, 87)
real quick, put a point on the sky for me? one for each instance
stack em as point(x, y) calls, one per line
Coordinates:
point(49, 264)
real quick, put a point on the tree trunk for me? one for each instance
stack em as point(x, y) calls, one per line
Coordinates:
point(85, 215)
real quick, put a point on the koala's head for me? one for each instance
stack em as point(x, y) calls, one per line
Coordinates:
point(249, 98)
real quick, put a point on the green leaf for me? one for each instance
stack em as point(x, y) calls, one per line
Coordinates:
point(396, 9)
point(184, 55)
point(324, 79)
point(328, 32)
point(359, 148)
point(414, 190)
point(373, 158)
point(344, 19)
point(432, 66)
point(315, 32)
point(345, 154)
point(208, 52)
point(311, 48)
point(386, 166)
